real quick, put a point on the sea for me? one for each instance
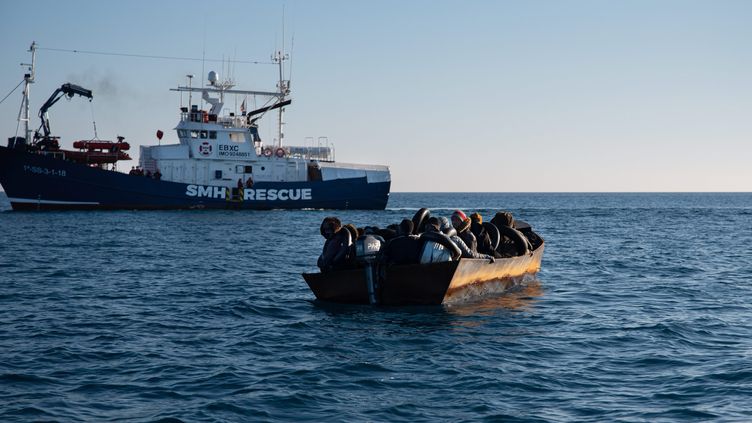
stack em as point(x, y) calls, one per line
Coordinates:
point(641, 313)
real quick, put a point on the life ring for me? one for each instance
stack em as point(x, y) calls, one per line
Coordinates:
point(342, 250)
point(450, 232)
point(493, 233)
point(444, 240)
point(280, 152)
point(521, 244)
point(353, 231)
point(267, 152)
point(419, 220)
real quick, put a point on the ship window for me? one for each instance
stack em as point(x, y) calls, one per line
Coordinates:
point(217, 174)
point(248, 169)
point(204, 134)
point(182, 133)
point(234, 137)
point(212, 135)
point(194, 134)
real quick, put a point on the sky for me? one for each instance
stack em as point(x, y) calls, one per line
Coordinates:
point(454, 96)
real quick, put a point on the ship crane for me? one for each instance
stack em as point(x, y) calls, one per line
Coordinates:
point(68, 90)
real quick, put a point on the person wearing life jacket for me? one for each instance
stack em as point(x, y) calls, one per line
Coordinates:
point(353, 231)
point(337, 245)
point(481, 235)
point(405, 248)
point(451, 232)
point(512, 242)
point(433, 251)
point(405, 227)
point(504, 219)
point(386, 233)
point(353, 237)
point(462, 224)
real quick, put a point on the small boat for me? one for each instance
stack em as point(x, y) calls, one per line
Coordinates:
point(372, 282)
point(427, 284)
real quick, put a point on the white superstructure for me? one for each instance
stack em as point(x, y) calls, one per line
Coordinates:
point(220, 148)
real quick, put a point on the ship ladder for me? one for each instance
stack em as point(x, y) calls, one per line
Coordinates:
point(234, 195)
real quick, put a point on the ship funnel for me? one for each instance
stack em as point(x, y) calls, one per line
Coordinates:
point(213, 78)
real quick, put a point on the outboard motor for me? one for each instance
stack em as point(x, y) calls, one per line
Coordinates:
point(366, 252)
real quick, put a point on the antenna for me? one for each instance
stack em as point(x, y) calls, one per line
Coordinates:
point(190, 98)
point(284, 88)
point(283, 27)
point(23, 112)
point(234, 66)
point(203, 57)
point(292, 48)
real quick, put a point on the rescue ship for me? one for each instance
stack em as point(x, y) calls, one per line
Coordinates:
point(220, 161)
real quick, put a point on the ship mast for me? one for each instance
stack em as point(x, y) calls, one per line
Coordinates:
point(284, 89)
point(23, 112)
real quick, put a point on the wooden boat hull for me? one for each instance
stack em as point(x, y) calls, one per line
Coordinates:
point(426, 284)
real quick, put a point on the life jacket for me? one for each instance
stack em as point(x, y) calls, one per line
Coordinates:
point(433, 252)
point(403, 250)
point(437, 247)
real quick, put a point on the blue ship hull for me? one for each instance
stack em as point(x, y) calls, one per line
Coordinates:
point(40, 182)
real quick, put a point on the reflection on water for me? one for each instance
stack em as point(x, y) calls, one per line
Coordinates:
point(522, 298)
point(462, 314)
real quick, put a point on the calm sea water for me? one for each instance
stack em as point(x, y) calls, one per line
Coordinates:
point(641, 313)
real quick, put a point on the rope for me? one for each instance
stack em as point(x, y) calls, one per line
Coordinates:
point(11, 91)
point(149, 56)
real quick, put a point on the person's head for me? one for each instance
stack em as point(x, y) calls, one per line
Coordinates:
point(432, 224)
point(476, 218)
point(460, 221)
point(406, 227)
point(370, 230)
point(444, 224)
point(503, 218)
point(330, 226)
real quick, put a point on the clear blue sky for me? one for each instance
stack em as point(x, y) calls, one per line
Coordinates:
point(453, 96)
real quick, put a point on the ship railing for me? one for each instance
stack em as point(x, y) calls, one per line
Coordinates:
point(320, 153)
point(203, 117)
point(232, 121)
point(200, 116)
point(314, 149)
